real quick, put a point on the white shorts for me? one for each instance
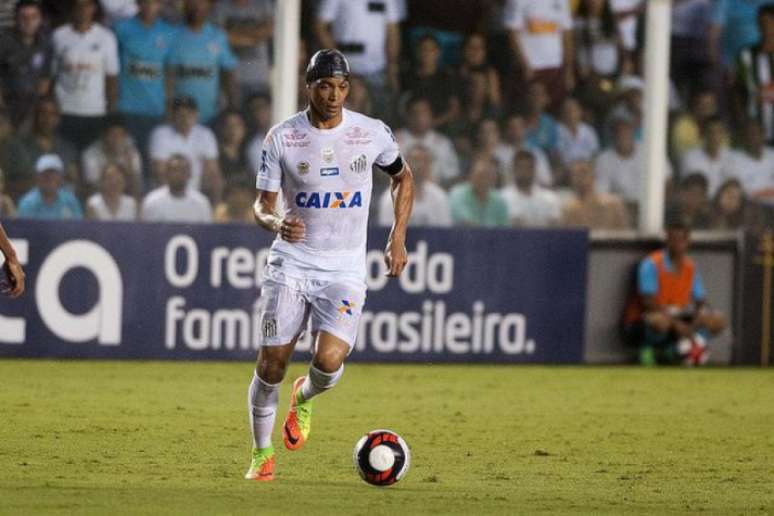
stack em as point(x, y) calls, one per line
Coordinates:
point(287, 302)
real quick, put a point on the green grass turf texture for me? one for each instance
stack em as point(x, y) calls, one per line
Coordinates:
point(172, 438)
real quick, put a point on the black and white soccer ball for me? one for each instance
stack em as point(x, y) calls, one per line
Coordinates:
point(382, 457)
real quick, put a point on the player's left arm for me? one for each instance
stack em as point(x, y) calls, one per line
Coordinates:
point(402, 190)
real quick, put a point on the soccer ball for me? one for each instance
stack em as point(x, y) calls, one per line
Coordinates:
point(693, 350)
point(382, 457)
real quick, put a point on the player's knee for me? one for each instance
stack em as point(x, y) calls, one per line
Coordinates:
point(714, 322)
point(329, 361)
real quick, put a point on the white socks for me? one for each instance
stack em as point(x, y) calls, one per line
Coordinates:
point(262, 399)
point(317, 381)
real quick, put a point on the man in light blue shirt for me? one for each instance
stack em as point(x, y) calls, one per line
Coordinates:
point(49, 200)
point(200, 58)
point(144, 42)
point(734, 27)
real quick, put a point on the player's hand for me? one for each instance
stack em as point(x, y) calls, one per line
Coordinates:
point(395, 257)
point(16, 278)
point(292, 229)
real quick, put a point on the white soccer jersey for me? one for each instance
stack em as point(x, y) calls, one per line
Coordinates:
point(325, 179)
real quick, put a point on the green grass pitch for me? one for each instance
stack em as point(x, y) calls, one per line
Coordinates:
point(172, 438)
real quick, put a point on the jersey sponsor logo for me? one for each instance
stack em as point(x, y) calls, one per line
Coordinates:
point(303, 167)
point(346, 307)
point(194, 72)
point(359, 164)
point(327, 154)
point(295, 139)
point(329, 171)
point(357, 136)
point(142, 70)
point(321, 200)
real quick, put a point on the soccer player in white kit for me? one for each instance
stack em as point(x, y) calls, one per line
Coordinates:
point(320, 160)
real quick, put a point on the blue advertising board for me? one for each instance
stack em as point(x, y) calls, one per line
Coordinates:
point(167, 291)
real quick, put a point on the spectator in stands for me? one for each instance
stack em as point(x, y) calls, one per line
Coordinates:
point(116, 11)
point(713, 158)
point(111, 201)
point(46, 138)
point(14, 159)
point(577, 139)
point(734, 27)
point(488, 143)
point(475, 202)
point(49, 199)
point(692, 201)
point(729, 207)
point(431, 203)
point(368, 34)
point(7, 207)
point(475, 66)
point(628, 13)
point(542, 129)
point(258, 122)
point(194, 141)
point(753, 163)
point(231, 146)
point(686, 129)
point(516, 139)
point(673, 301)
point(202, 74)
point(250, 27)
point(430, 79)
point(599, 51)
point(237, 206)
point(590, 208)
point(755, 77)
point(475, 104)
point(176, 201)
point(419, 130)
point(25, 62)
point(114, 146)
point(628, 105)
point(85, 73)
point(689, 61)
point(172, 11)
point(529, 204)
point(542, 43)
point(359, 98)
point(144, 44)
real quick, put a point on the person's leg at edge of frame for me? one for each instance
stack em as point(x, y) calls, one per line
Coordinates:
point(262, 400)
point(324, 373)
point(655, 334)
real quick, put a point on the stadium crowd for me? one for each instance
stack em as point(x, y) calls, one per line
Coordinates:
point(523, 113)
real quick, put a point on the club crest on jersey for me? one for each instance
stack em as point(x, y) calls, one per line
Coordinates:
point(359, 164)
point(329, 171)
point(327, 154)
point(303, 167)
point(321, 200)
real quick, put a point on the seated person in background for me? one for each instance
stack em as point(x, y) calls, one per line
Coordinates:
point(729, 207)
point(431, 203)
point(111, 203)
point(232, 158)
point(753, 164)
point(672, 299)
point(176, 201)
point(49, 199)
point(237, 205)
point(577, 139)
point(475, 202)
point(194, 141)
point(589, 208)
point(529, 204)
point(114, 146)
point(712, 158)
point(516, 138)
point(7, 207)
point(692, 201)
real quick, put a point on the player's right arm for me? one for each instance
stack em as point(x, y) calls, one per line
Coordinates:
point(12, 266)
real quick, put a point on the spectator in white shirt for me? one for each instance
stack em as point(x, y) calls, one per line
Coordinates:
point(713, 158)
point(194, 141)
point(529, 204)
point(542, 42)
point(114, 146)
point(419, 130)
point(431, 203)
point(176, 201)
point(753, 164)
point(368, 34)
point(86, 70)
point(111, 202)
point(577, 139)
point(618, 169)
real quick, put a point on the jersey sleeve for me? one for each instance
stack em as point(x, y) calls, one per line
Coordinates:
point(647, 278)
point(269, 175)
point(112, 66)
point(389, 151)
point(697, 290)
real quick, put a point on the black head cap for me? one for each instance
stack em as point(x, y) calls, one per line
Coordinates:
point(327, 63)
